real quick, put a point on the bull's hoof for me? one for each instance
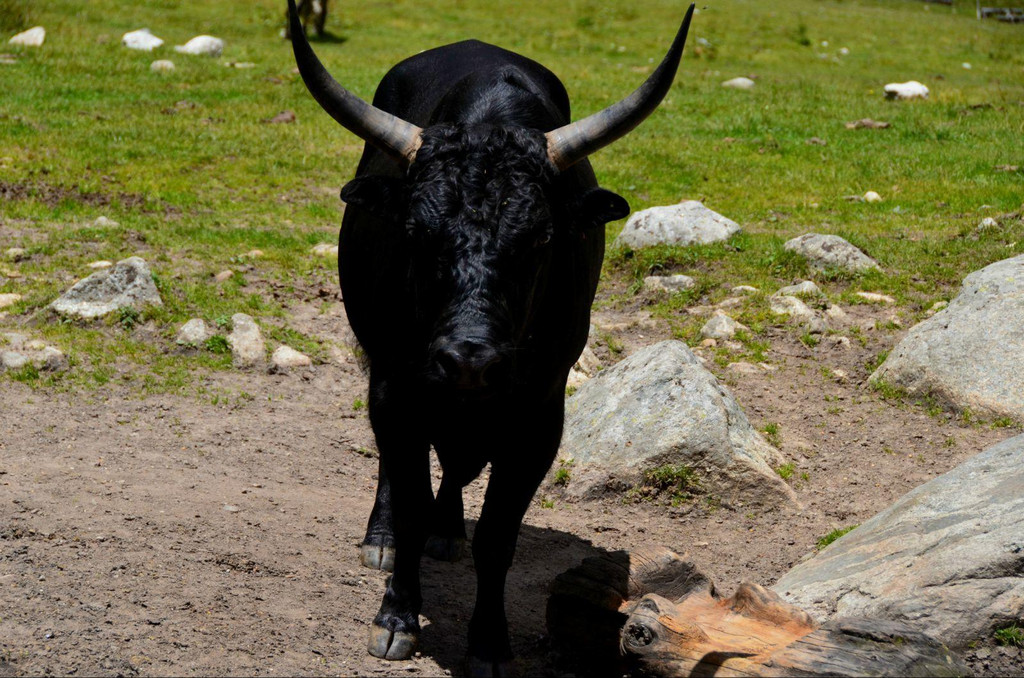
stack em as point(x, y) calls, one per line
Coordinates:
point(482, 668)
point(377, 557)
point(449, 549)
point(388, 644)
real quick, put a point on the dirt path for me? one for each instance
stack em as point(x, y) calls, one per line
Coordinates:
point(168, 535)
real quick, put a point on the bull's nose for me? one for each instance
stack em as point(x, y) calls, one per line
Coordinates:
point(468, 364)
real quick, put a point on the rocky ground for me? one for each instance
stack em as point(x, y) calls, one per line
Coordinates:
point(175, 535)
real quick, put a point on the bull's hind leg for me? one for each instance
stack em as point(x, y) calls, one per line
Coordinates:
point(447, 540)
point(378, 549)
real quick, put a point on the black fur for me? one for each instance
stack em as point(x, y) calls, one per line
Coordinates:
point(468, 281)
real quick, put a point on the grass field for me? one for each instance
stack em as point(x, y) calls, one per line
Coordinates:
point(186, 165)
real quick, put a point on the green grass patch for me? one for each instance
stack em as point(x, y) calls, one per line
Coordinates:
point(1010, 636)
point(833, 535)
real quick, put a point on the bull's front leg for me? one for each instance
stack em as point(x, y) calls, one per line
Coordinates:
point(513, 482)
point(378, 548)
point(404, 454)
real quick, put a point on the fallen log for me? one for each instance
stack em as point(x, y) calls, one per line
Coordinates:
point(652, 612)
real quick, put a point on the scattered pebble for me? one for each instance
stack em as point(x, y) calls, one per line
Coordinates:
point(223, 275)
point(194, 332)
point(966, 66)
point(803, 288)
point(839, 341)
point(142, 40)
point(239, 64)
point(739, 83)
point(743, 368)
point(283, 117)
point(325, 250)
point(103, 222)
point(936, 307)
point(876, 298)
point(102, 263)
point(254, 254)
point(33, 37)
point(246, 342)
point(202, 45)
point(668, 283)
point(871, 196)
point(16, 254)
point(867, 123)
point(817, 141)
point(286, 357)
point(230, 508)
point(9, 300)
point(911, 89)
point(745, 289)
point(162, 66)
point(720, 326)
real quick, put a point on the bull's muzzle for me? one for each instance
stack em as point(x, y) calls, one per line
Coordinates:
point(469, 364)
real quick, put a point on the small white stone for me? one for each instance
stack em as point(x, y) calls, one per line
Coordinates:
point(721, 326)
point(223, 275)
point(33, 37)
point(194, 332)
point(589, 364)
point(743, 368)
point(739, 83)
point(102, 263)
point(966, 65)
point(936, 307)
point(16, 254)
point(844, 51)
point(709, 343)
point(9, 300)
point(162, 66)
point(51, 359)
point(254, 254)
point(839, 341)
point(792, 307)
point(668, 283)
point(911, 89)
point(230, 508)
point(12, 360)
point(745, 289)
point(876, 298)
point(286, 357)
point(246, 341)
point(142, 40)
point(805, 288)
point(35, 345)
point(840, 375)
point(202, 45)
point(871, 196)
point(239, 64)
point(103, 222)
point(988, 223)
point(325, 250)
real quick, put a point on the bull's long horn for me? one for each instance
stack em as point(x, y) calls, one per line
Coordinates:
point(569, 144)
point(385, 131)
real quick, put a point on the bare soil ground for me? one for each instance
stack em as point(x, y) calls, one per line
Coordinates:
point(168, 535)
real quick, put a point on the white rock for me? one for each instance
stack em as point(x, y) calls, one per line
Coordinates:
point(793, 307)
point(51, 359)
point(911, 89)
point(987, 223)
point(325, 250)
point(871, 196)
point(838, 341)
point(743, 368)
point(830, 251)
point(586, 367)
point(35, 345)
point(739, 83)
point(804, 288)
point(9, 300)
point(835, 314)
point(876, 298)
point(745, 289)
point(246, 342)
point(668, 283)
point(162, 66)
point(33, 37)
point(966, 66)
point(103, 222)
point(686, 223)
point(223, 275)
point(16, 254)
point(129, 283)
point(102, 263)
point(720, 326)
point(202, 45)
point(141, 39)
point(194, 332)
point(12, 360)
point(661, 406)
point(844, 51)
point(286, 357)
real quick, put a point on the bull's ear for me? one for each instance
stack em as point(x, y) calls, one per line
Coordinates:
point(380, 195)
point(599, 206)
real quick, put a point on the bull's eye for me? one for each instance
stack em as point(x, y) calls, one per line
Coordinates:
point(544, 239)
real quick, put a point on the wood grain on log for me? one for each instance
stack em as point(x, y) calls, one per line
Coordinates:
point(653, 612)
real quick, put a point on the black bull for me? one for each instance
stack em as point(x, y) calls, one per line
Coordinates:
point(469, 256)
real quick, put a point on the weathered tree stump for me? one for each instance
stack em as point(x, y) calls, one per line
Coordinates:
point(653, 612)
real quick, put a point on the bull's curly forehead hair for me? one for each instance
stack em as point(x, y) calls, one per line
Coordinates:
point(475, 153)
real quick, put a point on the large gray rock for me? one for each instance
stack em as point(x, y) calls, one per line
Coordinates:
point(127, 284)
point(830, 251)
point(948, 557)
point(687, 223)
point(970, 354)
point(660, 406)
